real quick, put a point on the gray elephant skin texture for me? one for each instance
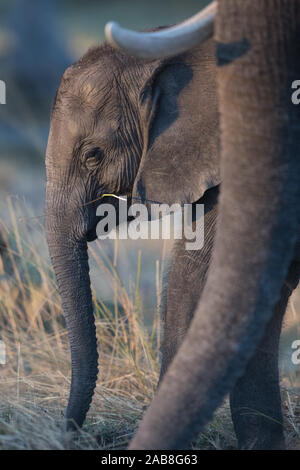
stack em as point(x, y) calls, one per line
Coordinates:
point(148, 130)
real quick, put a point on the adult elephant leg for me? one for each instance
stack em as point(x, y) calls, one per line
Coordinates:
point(255, 400)
point(186, 279)
point(258, 217)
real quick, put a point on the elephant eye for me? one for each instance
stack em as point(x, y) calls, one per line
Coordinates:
point(93, 158)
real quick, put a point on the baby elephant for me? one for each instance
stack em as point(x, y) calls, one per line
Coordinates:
point(117, 124)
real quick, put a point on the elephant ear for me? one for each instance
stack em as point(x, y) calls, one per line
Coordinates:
point(179, 112)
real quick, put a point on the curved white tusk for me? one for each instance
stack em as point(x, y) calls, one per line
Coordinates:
point(166, 42)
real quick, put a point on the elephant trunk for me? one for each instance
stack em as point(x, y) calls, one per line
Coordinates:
point(70, 261)
point(258, 221)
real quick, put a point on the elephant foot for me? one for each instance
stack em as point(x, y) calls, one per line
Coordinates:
point(261, 434)
point(264, 443)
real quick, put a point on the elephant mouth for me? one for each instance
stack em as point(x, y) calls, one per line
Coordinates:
point(91, 235)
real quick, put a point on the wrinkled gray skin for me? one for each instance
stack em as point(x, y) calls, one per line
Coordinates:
point(255, 399)
point(110, 114)
point(126, 127)
point(232, 342)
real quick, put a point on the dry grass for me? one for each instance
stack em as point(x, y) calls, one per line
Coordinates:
point(35, 381)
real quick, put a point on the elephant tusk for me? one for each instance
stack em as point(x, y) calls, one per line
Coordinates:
point(114, 195)
point(166, 42)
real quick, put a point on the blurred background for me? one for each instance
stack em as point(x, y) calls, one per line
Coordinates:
point(38, 40)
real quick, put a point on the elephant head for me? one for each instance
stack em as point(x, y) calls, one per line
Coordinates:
point(257, 51)
point(109, 114)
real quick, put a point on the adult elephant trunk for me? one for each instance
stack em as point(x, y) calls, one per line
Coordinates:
point(68, 251)
point(258, 58)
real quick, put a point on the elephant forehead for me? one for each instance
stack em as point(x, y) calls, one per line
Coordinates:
point(92, 84)
point(70, 130)
point(84, 90)
point(89, 108)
